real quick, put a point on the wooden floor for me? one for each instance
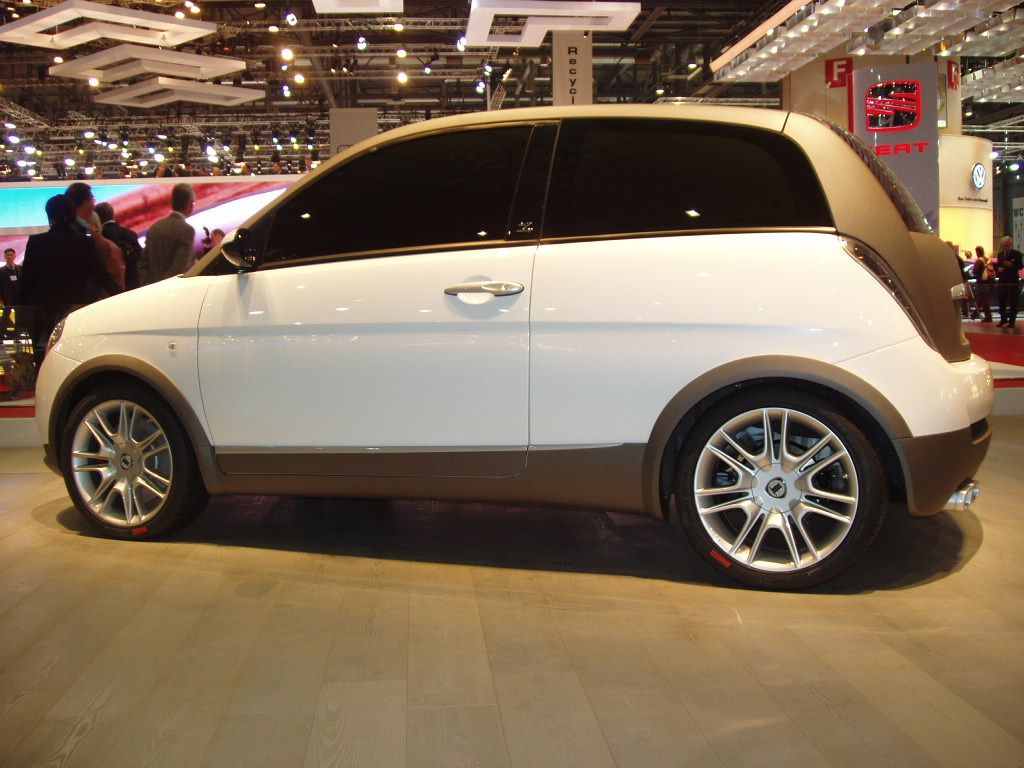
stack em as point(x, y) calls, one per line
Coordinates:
point(278, 632)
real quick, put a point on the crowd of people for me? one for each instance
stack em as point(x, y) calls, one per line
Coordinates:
point(994, 277)
point(86, 255)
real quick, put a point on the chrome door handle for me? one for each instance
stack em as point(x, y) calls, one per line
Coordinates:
point(496, 288)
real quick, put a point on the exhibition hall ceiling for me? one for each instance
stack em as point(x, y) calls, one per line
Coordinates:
point(234, 72)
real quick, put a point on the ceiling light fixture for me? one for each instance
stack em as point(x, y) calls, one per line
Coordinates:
point(361, 43)
point(402, 77)
point(287, 54)
point(291, 18)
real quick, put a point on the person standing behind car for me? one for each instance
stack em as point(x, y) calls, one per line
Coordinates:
point(1010, 262)
point(113, 258)
point(170, 243)
point(10, 289)
point(58, 269)
point(125, 239)
point(82, 197)
point(985, 277)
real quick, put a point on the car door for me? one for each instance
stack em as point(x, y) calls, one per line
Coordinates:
point(387, 330)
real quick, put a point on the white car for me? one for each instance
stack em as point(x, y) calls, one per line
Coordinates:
point(733, 315)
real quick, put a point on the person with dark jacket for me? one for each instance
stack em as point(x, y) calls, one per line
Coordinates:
point(1009, 263)
point(125, 239)
point(10, 290)
point(59, 268)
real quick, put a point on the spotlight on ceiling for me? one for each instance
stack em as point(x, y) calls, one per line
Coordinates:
point(361, 43)
point(291, 18)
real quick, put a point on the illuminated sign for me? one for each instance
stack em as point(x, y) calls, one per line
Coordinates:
point(894, 105)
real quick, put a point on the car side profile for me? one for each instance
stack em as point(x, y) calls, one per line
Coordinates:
point(736, 316)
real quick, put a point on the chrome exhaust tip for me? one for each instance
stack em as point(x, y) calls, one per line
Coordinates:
point(963, 497)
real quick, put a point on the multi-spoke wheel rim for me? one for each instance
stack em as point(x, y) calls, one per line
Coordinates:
point(780, 504)
point(122, 464)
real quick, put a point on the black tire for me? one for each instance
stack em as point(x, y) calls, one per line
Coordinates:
point(760, 517)
point(128, 464)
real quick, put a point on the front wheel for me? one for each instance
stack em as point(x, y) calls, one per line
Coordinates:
point(128, 464)
point(776, 489)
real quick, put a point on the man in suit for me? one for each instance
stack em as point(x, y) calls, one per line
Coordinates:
point(59, 267)
point(125, 239)
point(1009, 263)
point(170, 242)
point(10, 290)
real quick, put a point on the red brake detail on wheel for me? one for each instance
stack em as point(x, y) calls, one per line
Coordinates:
point(140, 531)
point(726, 562)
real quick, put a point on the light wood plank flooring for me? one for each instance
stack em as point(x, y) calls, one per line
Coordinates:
point(303, 632)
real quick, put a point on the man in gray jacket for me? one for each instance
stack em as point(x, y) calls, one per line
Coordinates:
point(170, 242)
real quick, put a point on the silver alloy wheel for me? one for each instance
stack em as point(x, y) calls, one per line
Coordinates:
point(779, 504)
point(122, 463)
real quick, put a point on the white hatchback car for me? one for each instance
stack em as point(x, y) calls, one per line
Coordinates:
point(614, 307)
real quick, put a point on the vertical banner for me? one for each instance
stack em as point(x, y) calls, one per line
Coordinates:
point(572, 69)
point(895, 113)
point(839, 74)
point(350, 126)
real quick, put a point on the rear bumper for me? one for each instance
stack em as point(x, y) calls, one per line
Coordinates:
point(934, 466)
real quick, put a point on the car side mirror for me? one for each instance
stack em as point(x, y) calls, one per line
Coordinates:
point(241, 250)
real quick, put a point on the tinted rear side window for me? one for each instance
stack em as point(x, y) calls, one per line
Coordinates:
point(450, 188)
point(622, 176)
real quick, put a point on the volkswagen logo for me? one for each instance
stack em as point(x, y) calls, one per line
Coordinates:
point(776, 488)
point(978, 176)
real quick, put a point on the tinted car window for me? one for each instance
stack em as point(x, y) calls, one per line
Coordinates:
point(454, 187)
point(621, 176)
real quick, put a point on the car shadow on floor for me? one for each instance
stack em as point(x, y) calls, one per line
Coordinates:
point(907, 552)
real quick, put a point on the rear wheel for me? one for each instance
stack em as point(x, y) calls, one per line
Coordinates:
point(777, 489)
point(128, 464)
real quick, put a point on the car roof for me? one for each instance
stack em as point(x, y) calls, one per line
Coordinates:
point(770, 119)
